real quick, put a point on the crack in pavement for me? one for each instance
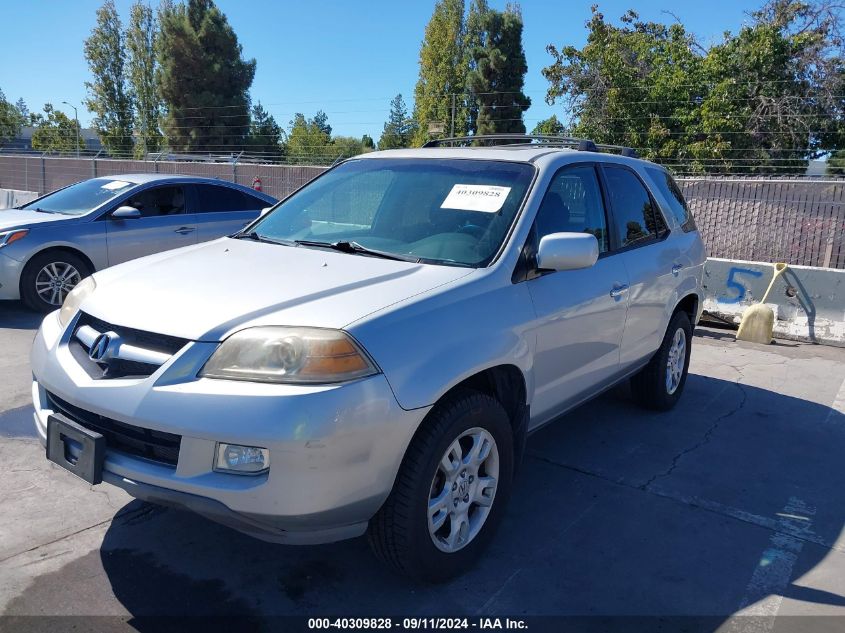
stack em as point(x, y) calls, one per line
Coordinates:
point(705, 439)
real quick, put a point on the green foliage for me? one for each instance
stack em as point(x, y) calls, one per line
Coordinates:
point(308, 143)
point(549, 127)
point(367, 143)
point(442, 70)
point(203, 79)
point(836, 163)
point(265, 135)
point(498, 74)
point(108, 98)
point(399, 128)
point(55, 132)
point(141, 40)
point(762, 100)
point(11, 119)
point(348, 146)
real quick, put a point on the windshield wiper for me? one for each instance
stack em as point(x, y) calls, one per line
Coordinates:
point(40, 210)
point(256, 237)
point(346, 246)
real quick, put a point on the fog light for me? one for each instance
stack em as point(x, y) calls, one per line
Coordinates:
point(241, 459)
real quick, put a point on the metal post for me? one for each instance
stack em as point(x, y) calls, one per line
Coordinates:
point(43, 175)
point(235, 168)
point(452, 131)
point(94, 164)
point(76, 117)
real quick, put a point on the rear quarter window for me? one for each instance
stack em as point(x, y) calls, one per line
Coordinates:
point(672, 193)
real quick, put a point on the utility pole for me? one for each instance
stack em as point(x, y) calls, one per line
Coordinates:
point(76, 117)
point(452, 130)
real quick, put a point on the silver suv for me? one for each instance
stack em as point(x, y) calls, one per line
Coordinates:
point(370, 355)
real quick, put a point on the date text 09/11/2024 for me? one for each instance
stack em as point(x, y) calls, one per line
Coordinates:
point(417, 623)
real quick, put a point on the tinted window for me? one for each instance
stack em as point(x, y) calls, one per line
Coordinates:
point(573, 204)
point(158, 201)
point(435, 210)
point(672, 192)
point(213, 198)
point(634, 214)
point(81, 197)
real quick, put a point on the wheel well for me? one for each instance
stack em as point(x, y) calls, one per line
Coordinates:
point(689, 304)
point(61, 249)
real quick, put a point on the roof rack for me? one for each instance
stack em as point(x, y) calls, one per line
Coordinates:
point(581, 144)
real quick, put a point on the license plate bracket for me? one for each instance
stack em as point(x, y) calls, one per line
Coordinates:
point(75, 448)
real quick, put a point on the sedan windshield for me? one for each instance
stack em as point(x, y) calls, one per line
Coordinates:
point(81, 197)
point(454, 212)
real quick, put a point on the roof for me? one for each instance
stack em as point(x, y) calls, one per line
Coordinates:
point(536, 154)
point(141, 179)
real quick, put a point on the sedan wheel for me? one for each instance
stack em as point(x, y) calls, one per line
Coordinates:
point(55, 280)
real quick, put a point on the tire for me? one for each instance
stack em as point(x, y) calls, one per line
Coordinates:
point(69, 270)
point(653, 387)
point(400, 534)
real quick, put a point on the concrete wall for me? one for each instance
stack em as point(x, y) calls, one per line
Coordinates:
point(808, 302)
point(11, 198)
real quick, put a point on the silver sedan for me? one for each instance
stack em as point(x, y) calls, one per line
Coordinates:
point(48, 245)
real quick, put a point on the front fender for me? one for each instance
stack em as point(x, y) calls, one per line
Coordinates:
point(428, 347)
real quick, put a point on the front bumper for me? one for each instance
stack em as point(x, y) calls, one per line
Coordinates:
point(10, 278)
point(334, 450)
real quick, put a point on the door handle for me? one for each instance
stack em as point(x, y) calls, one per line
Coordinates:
point(618, 291)
point(184, 230)
point(676, 269)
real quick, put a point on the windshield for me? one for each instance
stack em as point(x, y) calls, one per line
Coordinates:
point(81, 197)
point(437, 211)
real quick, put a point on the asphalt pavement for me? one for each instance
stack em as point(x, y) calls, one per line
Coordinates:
point(732, 503)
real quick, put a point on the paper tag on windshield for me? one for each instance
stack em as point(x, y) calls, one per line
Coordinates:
point(486, 198)
point(115, 184)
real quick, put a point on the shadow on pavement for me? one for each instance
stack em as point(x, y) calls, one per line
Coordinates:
point(617, 511)
point(15, 315)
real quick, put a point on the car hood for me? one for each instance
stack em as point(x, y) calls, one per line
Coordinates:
point(208, 291)
point(23, 218)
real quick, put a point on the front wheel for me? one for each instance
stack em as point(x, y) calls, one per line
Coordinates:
point(450, 492)
point(660, 383)
point(49, 277)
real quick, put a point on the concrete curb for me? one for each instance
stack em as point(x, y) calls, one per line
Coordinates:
point(808, 302)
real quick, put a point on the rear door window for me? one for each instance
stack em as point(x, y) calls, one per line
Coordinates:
point(216, 198)
point(635, 216)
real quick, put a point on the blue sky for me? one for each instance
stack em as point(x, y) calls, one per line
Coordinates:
point(346, 58)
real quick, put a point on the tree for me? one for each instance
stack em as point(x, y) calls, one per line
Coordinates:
point(141, 42)
point(762, 100)
point(367, 143)
point(203, 79)
point(473, 39)
point(399, 128)
point(549, 127)
point(108, 98)
point(11, 120)
point(497, 78)
point(836, 164)
point(23, 109)
point(265, 135)
point(321, 120)
point(308, 143)
point(55, 132)
point(347, 146)
point(442, 71)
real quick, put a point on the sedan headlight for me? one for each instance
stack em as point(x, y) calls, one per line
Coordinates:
point(75, 298)
point(289, 355)
point(8, 237)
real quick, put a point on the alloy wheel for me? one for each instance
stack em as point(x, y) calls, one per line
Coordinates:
point(55, 281)
point(676, 361)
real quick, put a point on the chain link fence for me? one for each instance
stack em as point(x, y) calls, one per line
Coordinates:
point(795, 220)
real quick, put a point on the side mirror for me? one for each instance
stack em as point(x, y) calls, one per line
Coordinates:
point(264, 211)
point(126, 213)
point(567, 251)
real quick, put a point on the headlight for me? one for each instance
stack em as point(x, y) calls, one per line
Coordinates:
point(289, 355)
point(8, 237)
point(74, 298)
